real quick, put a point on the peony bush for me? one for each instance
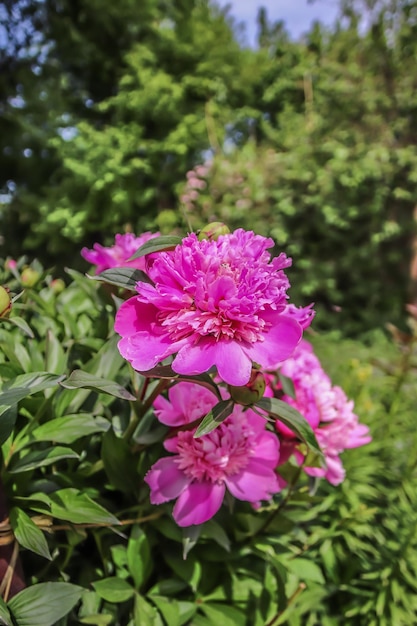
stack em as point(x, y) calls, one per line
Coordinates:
point(157, 429)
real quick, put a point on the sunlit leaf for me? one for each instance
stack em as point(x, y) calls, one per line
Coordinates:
point(83, 380)
point(217, 415)
point(157, 244)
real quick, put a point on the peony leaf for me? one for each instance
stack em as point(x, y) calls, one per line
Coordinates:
point(44, 604)
point(213, 419)
point(157, 244)
point(166, 371)
point(124, 277)
point(293, 419)
point(83, 380)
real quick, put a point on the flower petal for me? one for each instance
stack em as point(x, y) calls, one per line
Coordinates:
point(280, 342)
point(233, 365)
point(165, 480)
point(198, 503)
point(254, 482)
point(195, 359)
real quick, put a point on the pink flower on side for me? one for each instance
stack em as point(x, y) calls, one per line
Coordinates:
point(327, 410)
point(187, 402)
point(117, 255)
point(240, 456)
point(213, 303)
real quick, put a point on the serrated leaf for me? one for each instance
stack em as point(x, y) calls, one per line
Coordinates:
point(124, 277)
point(41, 458)
point(45, 603)
point(28, 534)
point(83, 380)
point(217, 415)
point(113, 589)
point(293, 419)
point(157, 244)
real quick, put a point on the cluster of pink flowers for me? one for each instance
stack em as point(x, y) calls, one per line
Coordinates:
point(240, 456)
point(119, 254)
point(196, 183)
point(325, 407)
point(220, 305)
point(212, 303)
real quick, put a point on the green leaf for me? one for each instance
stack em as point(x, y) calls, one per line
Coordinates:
point(82, 380)
point(139, 556)
point(28, 534)
point(26, 385)
point(213, 530)
point(287, 385)
point(145, 614)
point(305, 569)
point(118, 463)
point(157, 244)
point(113, 589)
point(73, 506)
point(293, 419)
point(7, 423)
point(190, 537)
point(41, 458)
point(224, 615)
point(20, 323)
point(166, 371)
point(216, 416)
point(69, 428)
point(55, 359)
point(44, 604)
point(169, 609)
point(124, 277)
point(5, 617)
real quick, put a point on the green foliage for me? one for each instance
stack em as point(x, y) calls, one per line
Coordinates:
point(75, 453)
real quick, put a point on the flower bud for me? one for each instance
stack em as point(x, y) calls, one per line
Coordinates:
point(29, 277)
point(251, 392)
point(5, 302)
point(10, 264)
point(213, 231)
point(57, 285)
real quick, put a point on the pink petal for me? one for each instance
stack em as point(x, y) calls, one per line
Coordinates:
point(166, 412)
point(134, 316)
point(233, 365)
point(195, 359)
point(255, 482)
point(198, 503)
point(279, 344)
point(165, 480)
point(144, 350)
point(267, 450)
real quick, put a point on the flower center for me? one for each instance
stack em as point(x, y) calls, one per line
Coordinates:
point(220, 454)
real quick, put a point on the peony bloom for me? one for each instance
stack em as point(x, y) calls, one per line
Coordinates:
point(240, 456)
point(212, 303)
point(117, 256)
point(327, 410)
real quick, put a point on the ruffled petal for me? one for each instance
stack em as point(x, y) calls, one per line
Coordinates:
point(166, 481)
point(280, 342)
point(198, 503)
point(253, 483)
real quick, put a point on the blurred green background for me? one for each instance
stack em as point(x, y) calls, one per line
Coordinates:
point(105, 107)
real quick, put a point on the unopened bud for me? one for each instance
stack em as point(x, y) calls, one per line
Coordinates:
point(5, 302)
point(29, 277)
point(251, 392)
point(10, 264)
point(57, 285)
point(213, 231)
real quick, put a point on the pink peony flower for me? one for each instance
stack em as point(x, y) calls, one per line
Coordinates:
point(213, 303)
point(117, 256)
point(326, 409)
point(240, 456)
point(187, 402)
